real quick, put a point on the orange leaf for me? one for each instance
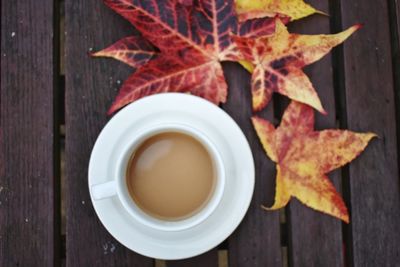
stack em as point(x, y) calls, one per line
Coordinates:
point(294, 9)
point(278, 60)
point(133, 50)
point(192, 40)
point(304, 156)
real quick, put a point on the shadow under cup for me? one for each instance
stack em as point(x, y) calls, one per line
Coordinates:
point(145, 217)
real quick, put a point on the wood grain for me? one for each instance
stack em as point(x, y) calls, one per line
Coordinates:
point(91, 85)
point(28, 223)
point(209, 259)
point(28, 147)
point(315, 239)
point(374, 180)
point(256, 242)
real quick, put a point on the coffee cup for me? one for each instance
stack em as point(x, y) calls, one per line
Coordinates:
point(117, 185)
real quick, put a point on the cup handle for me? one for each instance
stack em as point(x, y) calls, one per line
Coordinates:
point(105, 190)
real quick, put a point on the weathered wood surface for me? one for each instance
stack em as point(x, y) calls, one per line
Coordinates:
point(256, 242)
point(91, 85)
point(359, 94)
point(315, 239)
point(209, 258)
point(28, 204)
point(370, 106)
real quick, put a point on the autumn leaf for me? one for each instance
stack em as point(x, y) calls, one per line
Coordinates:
point(304, 156)
point(278, 60)
point(168, 73)
point(134, 51)
point(294, 9)
point(186, 2)
point(193, 41)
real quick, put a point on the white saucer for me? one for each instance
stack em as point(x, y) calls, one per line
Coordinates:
point(228, 139)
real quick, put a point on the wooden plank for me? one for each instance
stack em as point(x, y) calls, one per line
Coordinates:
point(91, 85)
point(28, 228)
point(209, 258)
point(316, 239)
point(256, 242)
point(373, 177)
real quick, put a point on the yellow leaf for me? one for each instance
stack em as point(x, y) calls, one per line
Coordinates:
point(304, 156)
point(294, 9)
point(247, 65)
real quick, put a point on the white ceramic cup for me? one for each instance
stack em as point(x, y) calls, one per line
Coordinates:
point(117, 185)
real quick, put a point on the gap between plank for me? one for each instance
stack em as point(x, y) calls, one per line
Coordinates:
point(341, 113)
point(57, 119)
point(394, 25)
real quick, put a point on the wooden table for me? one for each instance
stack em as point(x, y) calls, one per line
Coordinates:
point(358, 84)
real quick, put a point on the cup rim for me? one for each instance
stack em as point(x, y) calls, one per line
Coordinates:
point(136, 212)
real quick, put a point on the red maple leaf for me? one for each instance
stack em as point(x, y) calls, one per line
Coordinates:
point(192, 43)
point(133, 50)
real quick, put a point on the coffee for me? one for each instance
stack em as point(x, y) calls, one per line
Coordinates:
point(171, 176)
